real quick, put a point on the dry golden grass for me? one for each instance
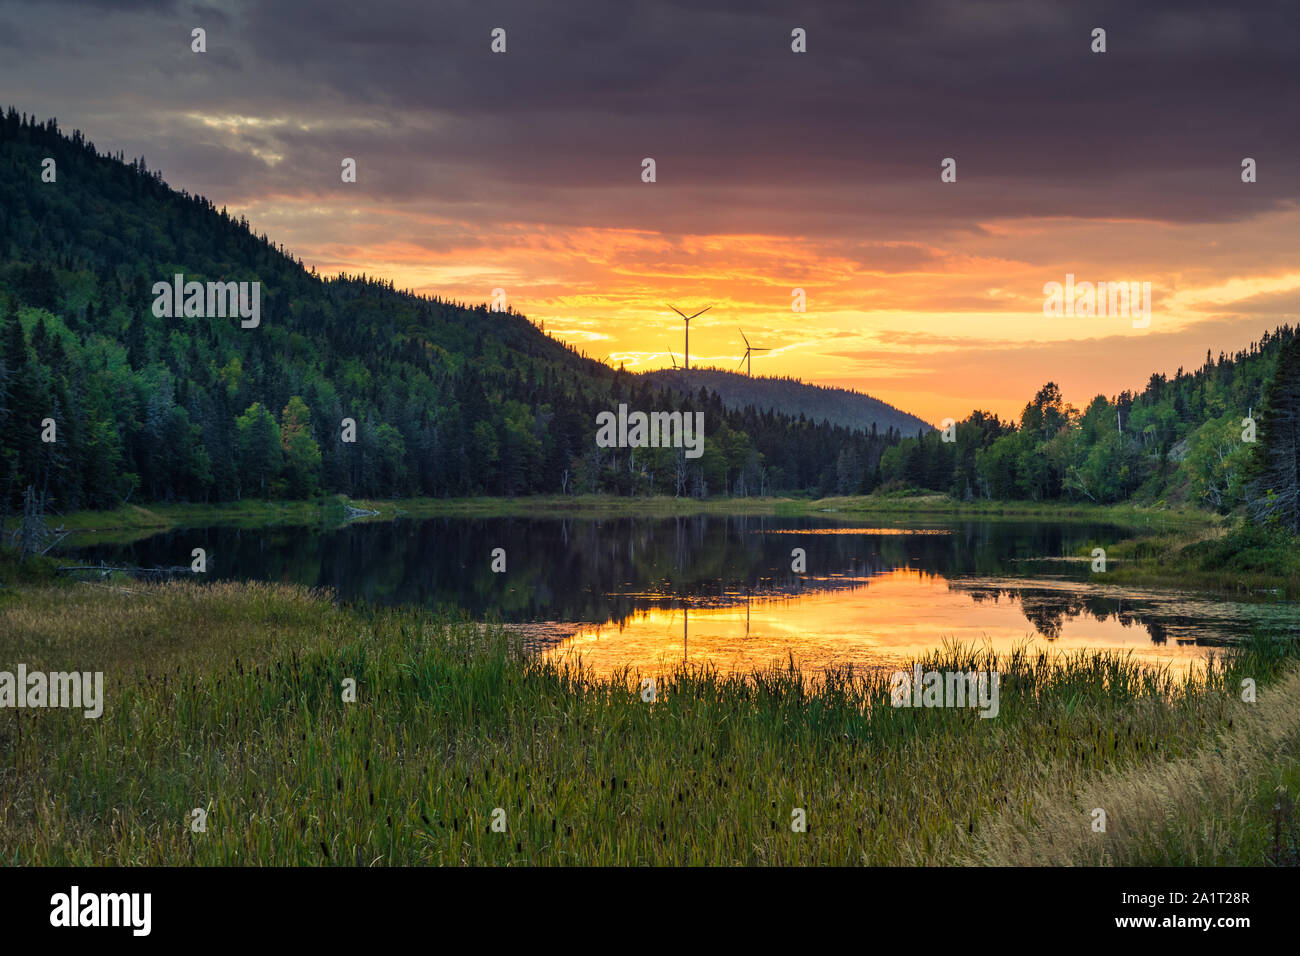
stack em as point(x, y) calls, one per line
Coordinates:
point(1183, 811)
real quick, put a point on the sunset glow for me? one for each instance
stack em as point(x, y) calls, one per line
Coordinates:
point(925, 294)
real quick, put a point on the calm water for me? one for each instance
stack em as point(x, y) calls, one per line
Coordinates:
point(646, 593)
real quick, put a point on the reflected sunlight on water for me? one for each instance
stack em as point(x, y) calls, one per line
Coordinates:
point(883, 621)
point(648, 592)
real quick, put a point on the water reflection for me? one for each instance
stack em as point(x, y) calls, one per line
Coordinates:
point(888, 619)
point(636, 591)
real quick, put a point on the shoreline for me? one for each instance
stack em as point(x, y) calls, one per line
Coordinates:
point(1163, 546)
point(333, 510)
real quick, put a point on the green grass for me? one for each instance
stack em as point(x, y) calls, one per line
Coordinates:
point(150, 519)
point(35, 570)
point(1270, 827)
point(228, 698)
point(1241, 560)
point(914, 503)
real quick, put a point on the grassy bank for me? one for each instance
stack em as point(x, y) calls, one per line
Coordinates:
point(228, 698)
point(135, 520)
point(1241, 560)
point(911, 504)
point(153, 518)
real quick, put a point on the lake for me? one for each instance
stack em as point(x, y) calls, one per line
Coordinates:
point(646, 593)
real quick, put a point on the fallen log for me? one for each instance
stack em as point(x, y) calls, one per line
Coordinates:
point(105, 569)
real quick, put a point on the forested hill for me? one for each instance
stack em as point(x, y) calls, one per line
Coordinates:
point(1225, 435)
point(839, 406)
point(447, 399)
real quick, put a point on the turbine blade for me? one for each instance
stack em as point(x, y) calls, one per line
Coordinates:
point(742, 335)
point(701, 312)
point(679, 312)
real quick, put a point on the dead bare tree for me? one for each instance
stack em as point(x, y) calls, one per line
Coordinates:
point(35, 536)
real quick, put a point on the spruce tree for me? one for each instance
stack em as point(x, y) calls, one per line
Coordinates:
point(1275, 486)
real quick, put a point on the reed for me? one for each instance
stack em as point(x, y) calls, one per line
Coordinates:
point(228, 698)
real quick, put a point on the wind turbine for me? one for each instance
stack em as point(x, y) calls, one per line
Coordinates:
point(746, 357)
point(686, 358)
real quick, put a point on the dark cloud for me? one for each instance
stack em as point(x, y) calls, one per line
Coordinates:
point(1281, 306)
point(844, 139)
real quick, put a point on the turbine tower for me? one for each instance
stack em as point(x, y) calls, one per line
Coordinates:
point(686, 358)
point(746, 359)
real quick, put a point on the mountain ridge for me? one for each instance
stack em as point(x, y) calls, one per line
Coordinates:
point(838, 406)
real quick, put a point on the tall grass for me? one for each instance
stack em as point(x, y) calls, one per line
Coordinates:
point(1227, 803)
point(229, 699)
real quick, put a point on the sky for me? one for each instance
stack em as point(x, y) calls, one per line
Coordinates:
point(775, 170)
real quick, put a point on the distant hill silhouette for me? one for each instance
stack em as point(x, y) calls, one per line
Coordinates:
point(789, 396)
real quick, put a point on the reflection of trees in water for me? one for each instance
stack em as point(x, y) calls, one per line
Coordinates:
point(598, 569)
point(1048, 609)
point(571, 569)
point(769, 591)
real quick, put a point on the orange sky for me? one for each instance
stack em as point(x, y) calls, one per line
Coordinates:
point(776, 169)
point(936, 328)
